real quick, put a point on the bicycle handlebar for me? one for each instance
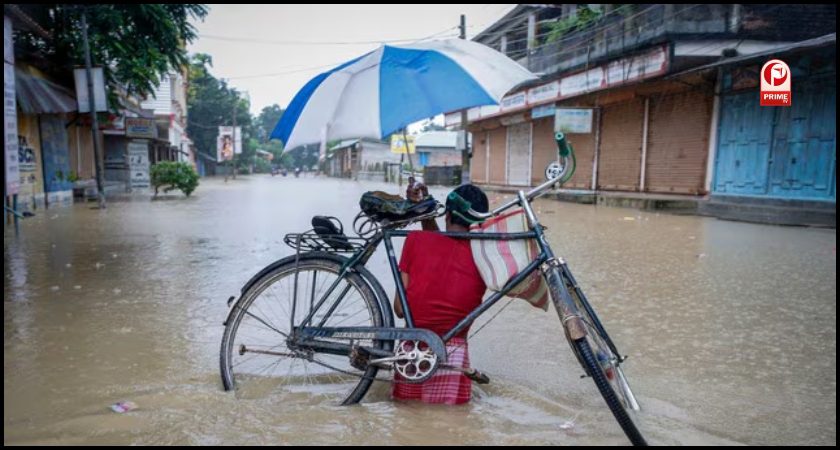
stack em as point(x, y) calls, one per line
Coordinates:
point(565, 153)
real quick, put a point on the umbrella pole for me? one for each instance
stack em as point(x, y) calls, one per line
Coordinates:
point(408, 152)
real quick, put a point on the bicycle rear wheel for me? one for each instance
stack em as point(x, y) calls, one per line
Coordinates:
point(256, 356)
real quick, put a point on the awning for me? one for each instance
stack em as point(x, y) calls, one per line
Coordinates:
point(347, 143)
point(37, 95)
point(822, 41)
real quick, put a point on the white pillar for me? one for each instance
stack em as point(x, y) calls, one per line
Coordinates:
point(532, 31)
point(597, 154)
point(644, 145)
point(713, 134)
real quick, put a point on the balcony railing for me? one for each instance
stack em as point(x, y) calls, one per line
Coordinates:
point(619, 33)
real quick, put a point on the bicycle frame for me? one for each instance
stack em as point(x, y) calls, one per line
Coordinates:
point(546, 261)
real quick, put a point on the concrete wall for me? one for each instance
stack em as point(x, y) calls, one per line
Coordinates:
point(440, 156)
point(375, 152)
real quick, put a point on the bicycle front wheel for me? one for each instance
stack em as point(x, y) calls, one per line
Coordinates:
point(594, 353)
point(603, 374)
point(256, 356)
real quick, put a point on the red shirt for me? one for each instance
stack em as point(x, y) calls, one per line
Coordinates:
point(444, 285)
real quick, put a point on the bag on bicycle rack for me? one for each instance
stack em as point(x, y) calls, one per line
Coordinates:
point(498, 261)
point(381, 206)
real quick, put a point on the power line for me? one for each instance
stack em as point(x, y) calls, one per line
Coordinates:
point(438, 34)
point(277, 74)
point(277, 42)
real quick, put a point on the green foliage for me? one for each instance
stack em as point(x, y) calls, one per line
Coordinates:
point(303, 157)
point(211, 104)
point(136, 44)
point(262, 165)
point(267, 120)
point(581, 20)
point(174, 175)
point(430, 125)
point(287, 161)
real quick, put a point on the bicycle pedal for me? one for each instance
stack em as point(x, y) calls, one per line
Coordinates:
point(359, 357)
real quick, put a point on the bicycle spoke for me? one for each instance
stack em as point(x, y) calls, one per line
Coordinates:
point(269, 305)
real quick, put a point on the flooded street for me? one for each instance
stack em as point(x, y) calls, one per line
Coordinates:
point(730, 328)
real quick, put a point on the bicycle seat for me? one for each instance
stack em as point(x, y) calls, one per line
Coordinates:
point(381, 206)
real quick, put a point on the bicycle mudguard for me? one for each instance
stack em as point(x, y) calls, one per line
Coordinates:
point(379, 333)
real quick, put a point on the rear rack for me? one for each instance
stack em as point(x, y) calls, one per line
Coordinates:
point(333, 243)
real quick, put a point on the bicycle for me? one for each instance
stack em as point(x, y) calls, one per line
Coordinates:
point(334, 340)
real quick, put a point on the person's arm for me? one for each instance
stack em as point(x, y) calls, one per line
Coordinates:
point(397, 304)
point(429, 225)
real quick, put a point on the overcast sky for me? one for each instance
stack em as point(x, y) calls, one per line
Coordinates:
point(243, 39)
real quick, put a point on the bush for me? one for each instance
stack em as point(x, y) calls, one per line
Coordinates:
point(174, 175)
point(262, 166)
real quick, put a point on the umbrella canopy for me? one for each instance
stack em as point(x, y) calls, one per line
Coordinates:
point(387, 89)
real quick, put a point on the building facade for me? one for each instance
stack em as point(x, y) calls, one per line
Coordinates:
point(664, 99)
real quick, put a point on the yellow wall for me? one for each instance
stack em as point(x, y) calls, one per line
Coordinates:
point(31, 165)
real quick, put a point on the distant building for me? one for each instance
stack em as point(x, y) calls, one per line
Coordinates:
point(437, 148)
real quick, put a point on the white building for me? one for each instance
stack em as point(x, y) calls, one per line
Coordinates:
point(169, 105)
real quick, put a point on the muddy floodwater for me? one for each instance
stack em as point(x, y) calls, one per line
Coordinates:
point(730, 329)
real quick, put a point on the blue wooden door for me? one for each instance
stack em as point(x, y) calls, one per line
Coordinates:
point(56, 153)
point(802, 163)
point(743, 153)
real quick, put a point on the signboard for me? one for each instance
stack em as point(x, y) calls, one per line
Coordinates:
point(136, 127)
point(398, 144)
point(10, 136)
point(225, 146)
point(543, 111)
point(544, 93)
point(100, 99)
point(10, 131)
point(573, 120)
point(489, 110)
point(452, 119)
point(515, 101)
point(512, 120)
point(473, 114)
point(138, 163)
point(637, 67)
point(626, 70)
point(590, 80)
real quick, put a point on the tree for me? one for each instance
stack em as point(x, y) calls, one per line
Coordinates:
point(430, 125)
point(136, 44)
point(211, 103)
point(267, 120)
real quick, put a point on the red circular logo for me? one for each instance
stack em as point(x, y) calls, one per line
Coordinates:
point(775, 74)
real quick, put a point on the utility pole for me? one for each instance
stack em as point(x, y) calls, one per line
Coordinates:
point(465, 153)
point(94, 122)
point(233, 155)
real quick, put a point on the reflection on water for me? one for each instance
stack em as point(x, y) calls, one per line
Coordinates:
point(729, 327)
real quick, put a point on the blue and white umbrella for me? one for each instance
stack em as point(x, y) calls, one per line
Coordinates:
point(391, 87)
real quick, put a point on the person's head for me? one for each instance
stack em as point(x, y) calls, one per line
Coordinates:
point(477, 200)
